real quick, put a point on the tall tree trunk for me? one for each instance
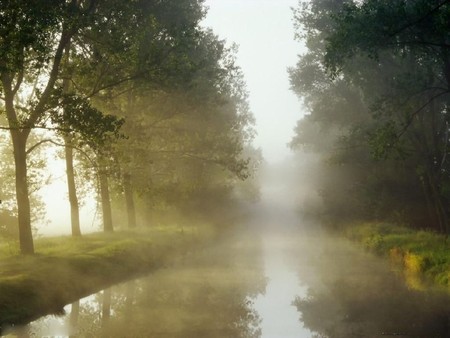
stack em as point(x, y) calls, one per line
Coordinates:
point(105, 198)
point(73, 199)
point(19, 139)
point(129, 199)
point(23, 202)
point(70, 173)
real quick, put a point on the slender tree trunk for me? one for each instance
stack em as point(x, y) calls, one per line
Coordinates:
point(441, 211)
point(446, 64)
point(73, 199)
point(430, 206)
point(23, 202)
point(105, 199)
point(70, 173)
point(129, 199)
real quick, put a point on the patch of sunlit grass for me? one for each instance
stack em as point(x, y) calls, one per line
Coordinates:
point(420, 253)
point(8, 248)
point(414, 264)
point(66, 268)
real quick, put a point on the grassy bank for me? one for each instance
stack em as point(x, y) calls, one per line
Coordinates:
point(65, 268)
point(422, 255)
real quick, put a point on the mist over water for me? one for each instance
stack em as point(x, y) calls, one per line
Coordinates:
point(146, 117)
point(271, 275)
point(338, 289)
point(207, 293)
point(276, 218)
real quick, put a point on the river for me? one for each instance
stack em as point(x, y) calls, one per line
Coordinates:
point(268, 277)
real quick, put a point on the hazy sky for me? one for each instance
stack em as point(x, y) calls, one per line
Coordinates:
point(264, 31)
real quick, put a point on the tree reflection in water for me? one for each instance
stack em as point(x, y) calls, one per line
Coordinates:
point(353, 294)
point(206, 294)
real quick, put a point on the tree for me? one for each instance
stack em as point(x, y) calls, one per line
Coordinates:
point(180, 125)
point(414, 37)
point(27, 30)
point(95, 130)
point(157, 52)
point(30, 57)
point(64, 59)
point(382, 108)
point(34, 37)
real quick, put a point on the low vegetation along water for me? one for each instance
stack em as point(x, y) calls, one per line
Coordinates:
point(270, 279)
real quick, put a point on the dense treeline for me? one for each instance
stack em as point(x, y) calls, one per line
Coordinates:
point(146, 103)
point(376, 84)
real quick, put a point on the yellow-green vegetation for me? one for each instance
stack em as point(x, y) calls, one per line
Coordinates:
point(66, 268)
point(420, 253)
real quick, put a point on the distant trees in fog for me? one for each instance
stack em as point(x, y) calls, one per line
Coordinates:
point(376, 83)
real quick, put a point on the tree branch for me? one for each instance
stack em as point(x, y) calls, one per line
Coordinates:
point(11, 113)
point(411, 117)
point(95, 91)
point(19, 81)
point(66, 36)
point(66, 130)
point(29, 150)
point(424, 17)
point(420, 43)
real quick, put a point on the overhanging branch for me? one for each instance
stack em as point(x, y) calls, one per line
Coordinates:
point(29, 150)
point(419, 20)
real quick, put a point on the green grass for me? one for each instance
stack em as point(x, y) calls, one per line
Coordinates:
point(65, 268)
point(419, 252)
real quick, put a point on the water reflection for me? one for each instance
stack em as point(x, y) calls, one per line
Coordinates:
point(279, 316)
point(352, 294)
point(208, 294)
point(221, 291)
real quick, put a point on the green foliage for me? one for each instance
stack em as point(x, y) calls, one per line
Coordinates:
point(383, 139)
point(372, 26)
point(375, 80)
point(28, 30)
point(138, 87)
point(422, 252)
point(185, 145)
point(77, 115)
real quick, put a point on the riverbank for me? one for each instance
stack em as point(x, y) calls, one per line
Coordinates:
point(65, 269)
point(207, 294)
point(423, 256)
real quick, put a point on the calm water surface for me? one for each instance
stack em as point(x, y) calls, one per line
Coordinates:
point(209, 293)
point(271, 279)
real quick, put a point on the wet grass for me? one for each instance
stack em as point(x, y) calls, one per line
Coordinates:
point(65, 268)
point(419, 253)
